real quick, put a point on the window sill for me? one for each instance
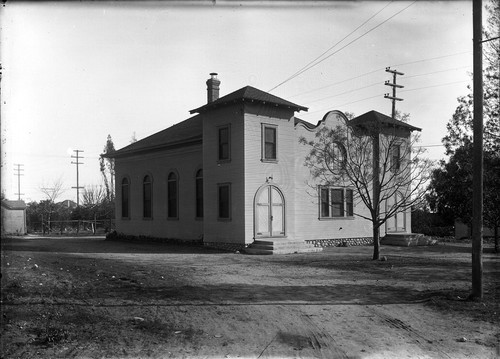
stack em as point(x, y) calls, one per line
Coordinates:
point(172, 218)
point(350, 218)
point(147, 218)
point(198, 218)
point(125, 218)
point(221, 162)
point(260, 236)
point(268, 161)
point(224, 219)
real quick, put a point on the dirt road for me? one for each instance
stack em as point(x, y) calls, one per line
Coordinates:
point(90, 298)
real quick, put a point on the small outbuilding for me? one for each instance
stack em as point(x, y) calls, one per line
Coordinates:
point(13, 217)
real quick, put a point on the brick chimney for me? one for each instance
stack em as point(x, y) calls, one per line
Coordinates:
point(212, 88)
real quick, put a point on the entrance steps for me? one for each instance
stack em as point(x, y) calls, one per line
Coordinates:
point(407, 240)
point(280, 246)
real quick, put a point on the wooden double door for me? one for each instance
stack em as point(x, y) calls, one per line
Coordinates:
point(269, 212)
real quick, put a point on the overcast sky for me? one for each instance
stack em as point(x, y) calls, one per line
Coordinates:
point(74, 72)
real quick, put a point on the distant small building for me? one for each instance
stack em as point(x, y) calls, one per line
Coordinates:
point(13, 217)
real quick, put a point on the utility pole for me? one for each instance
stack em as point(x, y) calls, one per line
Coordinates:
point(18, 174)
point(394, 86)
point(77, 163)
point(477, 154)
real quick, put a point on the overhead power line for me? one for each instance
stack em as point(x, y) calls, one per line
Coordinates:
point(343, 47)
point(437, 72)
point(381, 94)
point(432, 58)
point(306, 67)
point(382, 69)
point(438, 85)
point(346, 92)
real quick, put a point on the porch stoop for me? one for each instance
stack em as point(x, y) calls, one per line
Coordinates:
point(407, 240)
point(280, 246)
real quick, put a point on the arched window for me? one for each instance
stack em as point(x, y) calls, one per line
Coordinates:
point(335, 156)
point(199, 194)
point(125, 198)
point(172, 211)
point(147, 197)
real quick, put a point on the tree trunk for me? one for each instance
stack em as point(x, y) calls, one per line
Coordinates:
point(376, 243)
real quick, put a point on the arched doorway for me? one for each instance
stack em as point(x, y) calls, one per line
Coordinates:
point(269, 212)
point(396, 223)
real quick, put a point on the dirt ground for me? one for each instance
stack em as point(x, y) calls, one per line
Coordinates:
point(92, 298)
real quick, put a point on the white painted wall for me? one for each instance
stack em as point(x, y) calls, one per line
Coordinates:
point(13, 221)
point(215, 172)
point(307, 222)
point(258, 171)
point(185, 161)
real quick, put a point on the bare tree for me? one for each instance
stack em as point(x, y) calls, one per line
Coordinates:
point(393, 182)
point(93, 195)
point(52, 192)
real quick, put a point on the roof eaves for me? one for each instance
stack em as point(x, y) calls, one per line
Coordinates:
point(13, 205)
point(154, 148)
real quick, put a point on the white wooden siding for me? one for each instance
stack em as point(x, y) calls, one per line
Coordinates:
point(214, 172)
point(307, 222)
point(185, 161)
point(257, 172)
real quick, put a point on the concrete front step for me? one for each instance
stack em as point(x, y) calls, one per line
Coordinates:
point(407, 240)
point(281, 246)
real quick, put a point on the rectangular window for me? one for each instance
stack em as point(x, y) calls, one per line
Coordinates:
point(224, 143)
point(269, 142)
point(325, 202)
point(125, 198)
point(224, 201)
point(336, 202)
point(199, 197)
point(396, 158)
point(349, 202)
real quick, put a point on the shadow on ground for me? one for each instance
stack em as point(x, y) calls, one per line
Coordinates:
point(98, 245)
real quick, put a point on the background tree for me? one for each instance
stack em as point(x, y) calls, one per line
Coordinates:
point(459, 127)
point(450, 189)
point(95, 206)
point(107, 167)
point(48, 207)
point(344, 156)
